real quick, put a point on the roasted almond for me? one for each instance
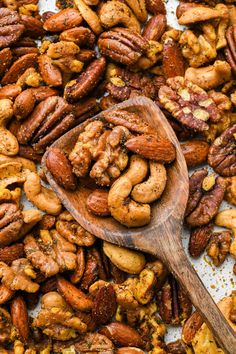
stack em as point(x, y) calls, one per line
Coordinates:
point(155, 27)
point(173, 61)
point(156, 6)
point(74, 296)
point(150, 147)
point(195, 152)
point(33, 26)
point(5, 294)
point(129, 350)
point(11, 253)
point(20, 319)
point(10, 91)
point(104, 304)
point(122, 335)
point(63, 20)
point(5, 60)
point(50, 73)
point(61, 169)
point(80, 268)
point(191, 326)
point(97, 203)
point(199, 239)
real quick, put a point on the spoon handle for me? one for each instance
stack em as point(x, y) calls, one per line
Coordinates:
point(175, 258)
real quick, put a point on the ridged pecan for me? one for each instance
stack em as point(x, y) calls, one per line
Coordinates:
point(188, 103)
point(11, 221)
point(82, 36)
point(10, 27)
point(86, 82)
point(195, 190)
point(122, 45)
point(230, 51)
point(11, 253)
point(222, 157)
point(49, 120)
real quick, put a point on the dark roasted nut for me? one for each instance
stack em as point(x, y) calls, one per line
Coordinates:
point(19, 317)
point(174, 303)
point(152, 147)
point(10, 91)
point(80, 267)
point(233, 307)
point(74, 233)
point(49, 285)
point(195, 152)
point(199, 239)
point(63, 4)
point(122, 335)
point(195, 190)
point(10, 27)
point(28, 153)
point(107, 102)
point(5, 60)
point(230, 52)
point(86, 82)
point(129, 350)
point(94, 343)
point(47, 222)
point(5, 294)
point(74, 296)
point(20, 51)
point(155, 27)
point(97, 203)
point(104, 304)
point(86, 55)
point(177, 347)
point(24, 104)
point(156, 6)
point(11, 253)
point(188, 103)
point(11, 221)
point(208, 205)
point(191, 326)
point(222, 157)
point(19, 67)
point(91, 272)
point(122, 45)
point(219, 247)
point(50, 73)
point(63, 20)
point(173, 61)
point(82, 36)
point(33, 26)
point(6, 328)
point(85, 109)
point(61, 169)
point(230, 194)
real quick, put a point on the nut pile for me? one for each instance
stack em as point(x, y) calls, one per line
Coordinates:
point(56, 71)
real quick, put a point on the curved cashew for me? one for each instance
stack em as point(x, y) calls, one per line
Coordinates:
point(210, 76)
point(89, 16)
point(114, 13)
point(43, 198)
point(139, 9)
point(227, 218)
point(152, 189)
point(10, 173)
point(128, 212)
point(26, 164)
point(8, 143)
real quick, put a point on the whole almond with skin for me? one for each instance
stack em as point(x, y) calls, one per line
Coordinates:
point(97, 203)
point(5, 294)
point(33, 26)
point(50, 73)
point(153, 148)
point(105, 304)
point(11, 253)
point(74, 296)
point(63, 20)
point(195, 152)
point(191, 326)
point(129, 350)
point(199, 239)
point(61, 169)
point(156, 6)
point(173, 61)
point(5, 60)
point(20, 319)
point(122, 335)
point(155, 27)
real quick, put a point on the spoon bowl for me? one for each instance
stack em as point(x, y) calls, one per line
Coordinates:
point(162, 236)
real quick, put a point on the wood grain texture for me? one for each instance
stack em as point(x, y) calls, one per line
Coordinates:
point(162, 237)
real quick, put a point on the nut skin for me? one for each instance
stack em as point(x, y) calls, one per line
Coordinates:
point(10, 223)
point(5, 294)
point(97, 203)
point(10, 91)
point(191, 326)
point(86, 82)
point(61, 169)
point(199, 239)
point(80, 268)
point(155, 27)
point(104, 304)
point(63, 20)
point(10, 27)
point(50, 73)
point(152, 148)
point(195, 190)
point(173, 61)
point(28, 153)
point(33, 26)
point(195, 152)
point(122, 45)
point(5, 60)
point(11, 253)
point(19, 316)
point(156, 6)
point(129, 350)
point(82, 36)
point(122, 335)
point(176, 347)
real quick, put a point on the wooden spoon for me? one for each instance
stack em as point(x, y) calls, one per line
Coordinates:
point(162, 237)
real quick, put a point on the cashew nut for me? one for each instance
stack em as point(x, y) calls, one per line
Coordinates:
point(126, 211)
point(43, 198)
point(227, 218)
point(26, 164)
point(8, 142)
point(139, 9)
point(125, 259)
point(114, 13)
point(89, 16)
point(152, 189)
point(10, 173)
point(210, 76)
point(31, 218)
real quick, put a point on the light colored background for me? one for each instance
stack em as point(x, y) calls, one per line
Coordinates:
point(219, 281)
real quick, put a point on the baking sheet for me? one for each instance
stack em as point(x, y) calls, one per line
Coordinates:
point(219, 281)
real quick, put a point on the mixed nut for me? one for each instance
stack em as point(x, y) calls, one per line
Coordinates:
point(56, 71)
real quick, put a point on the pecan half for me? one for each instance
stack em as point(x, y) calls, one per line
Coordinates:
point(82, 36)
point(219, 247)
point(222, 153)
point(195, 190)
point(199, 239)
point(86, 82)
point(10, 27)
point(188, 103)
point(122, 45)
point(11, 221)
point(11, 253)
point(230, 52)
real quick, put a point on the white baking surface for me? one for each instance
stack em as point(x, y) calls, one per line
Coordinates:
point(220, 281)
